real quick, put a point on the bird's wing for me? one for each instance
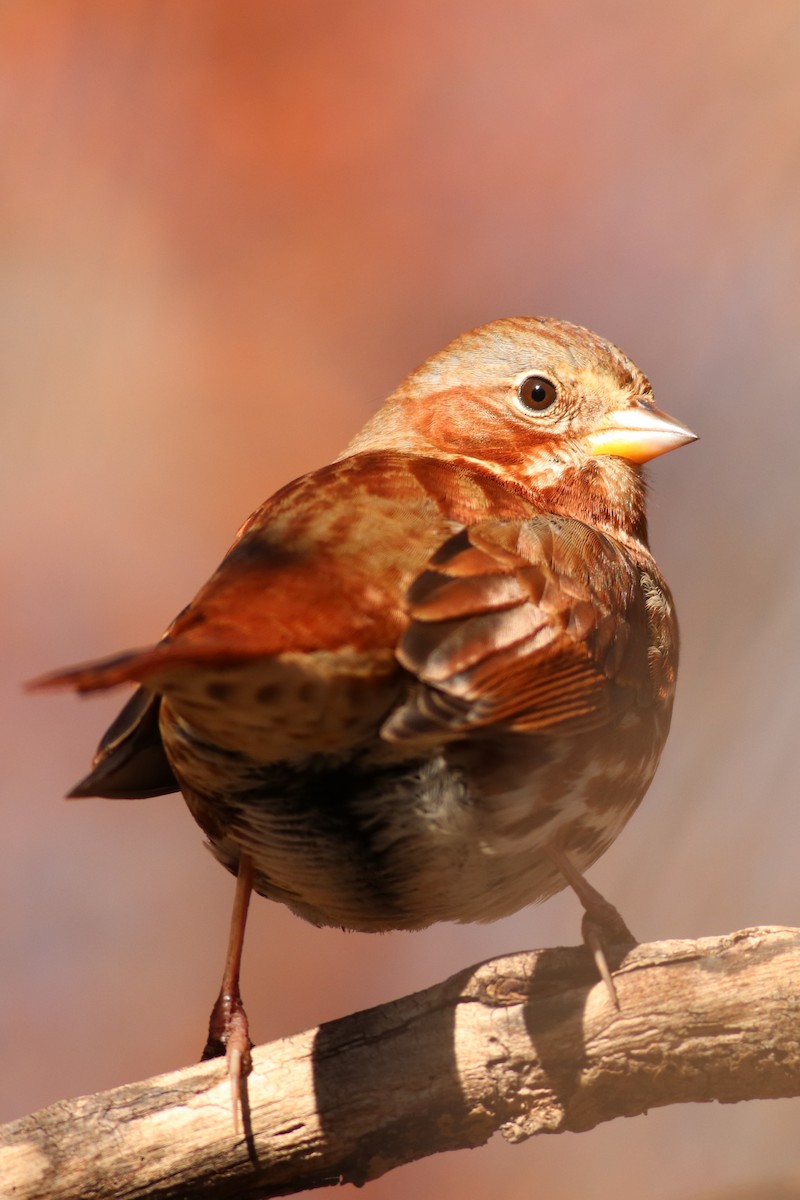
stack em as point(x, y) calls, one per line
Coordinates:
point(130, 762)
point(527, 625)
point(313, 587)
point(323, 566)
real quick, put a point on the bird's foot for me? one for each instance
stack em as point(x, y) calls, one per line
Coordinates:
point(602, 924)
point(228, 1027)
point(229, 1035)
point(597, 934)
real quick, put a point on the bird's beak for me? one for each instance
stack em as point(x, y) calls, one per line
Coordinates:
point(639, 434)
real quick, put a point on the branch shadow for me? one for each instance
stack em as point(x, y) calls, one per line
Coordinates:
point(551, 985)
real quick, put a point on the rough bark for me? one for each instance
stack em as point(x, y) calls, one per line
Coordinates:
point(525, 1044)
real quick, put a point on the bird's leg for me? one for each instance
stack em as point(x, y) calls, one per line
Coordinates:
point(602, 924)
point(228, 1030)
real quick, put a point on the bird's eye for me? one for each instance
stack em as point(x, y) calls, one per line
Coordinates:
point(537, 393)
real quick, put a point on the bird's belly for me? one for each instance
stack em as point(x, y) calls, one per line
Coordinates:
point(459, 836)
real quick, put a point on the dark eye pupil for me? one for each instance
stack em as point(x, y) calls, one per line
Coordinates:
point(537, 393)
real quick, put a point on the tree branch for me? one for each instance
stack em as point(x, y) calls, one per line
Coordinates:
point(524, 1044)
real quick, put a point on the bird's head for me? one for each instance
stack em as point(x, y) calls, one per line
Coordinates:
point(549, 407)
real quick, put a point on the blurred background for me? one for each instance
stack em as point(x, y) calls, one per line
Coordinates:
point(226, 233)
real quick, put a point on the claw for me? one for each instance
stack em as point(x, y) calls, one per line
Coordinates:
point(593, 941)
point(228, 1029)
point(602, 923)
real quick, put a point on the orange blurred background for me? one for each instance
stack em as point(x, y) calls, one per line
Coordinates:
point(226, 232)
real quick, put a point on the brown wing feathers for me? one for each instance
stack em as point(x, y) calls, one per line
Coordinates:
point(518, 622)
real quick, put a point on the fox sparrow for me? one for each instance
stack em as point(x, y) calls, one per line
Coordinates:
point(433, 680)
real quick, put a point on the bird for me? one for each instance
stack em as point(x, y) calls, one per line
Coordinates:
point(432, 680)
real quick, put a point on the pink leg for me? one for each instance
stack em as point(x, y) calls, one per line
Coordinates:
point(228, 1030)
point(602, 924)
